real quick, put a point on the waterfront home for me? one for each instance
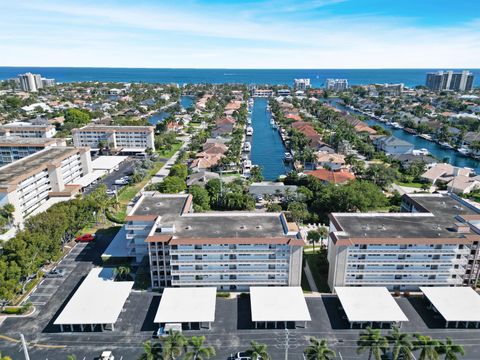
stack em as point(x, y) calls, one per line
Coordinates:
point(329, 161)
point(406, 160)
point(271, 188)
point(393, 145)
point(358, 125)
point(457, 179)
point(222, 130)
point(332, 177)
point(201, 178)
point(307, 129)
point(205, 162)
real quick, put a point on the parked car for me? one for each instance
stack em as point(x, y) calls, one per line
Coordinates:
point(55, 273)
point(243, 356)
point(121, 181)
point(107, 355)
point(111, 192)
point(85, 238)
point(164, 331)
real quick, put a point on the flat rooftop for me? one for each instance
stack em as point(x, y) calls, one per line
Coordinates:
point(436, 222)
point(107, 162)
point(229, 225)
point(281, 303)
point(93, 127)
point(6, 141)
point(185, 305)
point(13, 173)
point(98, 300)
point(455, 303)
point(169, 207)
point(369, 304)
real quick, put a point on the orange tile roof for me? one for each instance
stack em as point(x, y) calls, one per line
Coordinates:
point(335, 177)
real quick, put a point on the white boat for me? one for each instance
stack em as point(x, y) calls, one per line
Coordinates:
point(272, 122)
point(426, 137)
point(249, 121)
point(249, 131)
point(247, 166)
point(464, 151)
point(424, 151)
point(288, 157)
point(247, 147)
point(445, 145)
point(396, 125)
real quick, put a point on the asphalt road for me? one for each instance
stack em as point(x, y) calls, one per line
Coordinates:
point(125, 168)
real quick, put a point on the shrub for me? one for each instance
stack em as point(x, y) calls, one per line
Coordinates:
point(223, 294)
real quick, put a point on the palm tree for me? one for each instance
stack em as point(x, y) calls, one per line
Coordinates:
point(450, 350)
point(151, 351)
point(318, 350)
point(428, 347)
point(373, 341)
point(5, 357)
point(402, 345)
point(122, 272)
point(258, 351)
point(173, 345)
point(198, 351)
point(69, 357)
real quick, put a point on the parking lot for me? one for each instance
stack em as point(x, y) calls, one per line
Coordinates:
point(124, 169)
point(231, 332)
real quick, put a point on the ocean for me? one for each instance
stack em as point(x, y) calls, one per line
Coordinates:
point(410, 77)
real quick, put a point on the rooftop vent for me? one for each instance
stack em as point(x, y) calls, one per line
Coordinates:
point(436, 227)
point(258, 227)
point(242, 227)
point(188, 227)
point(381, 227)
point(159, 203)
point(365, 227)
point(146, 208)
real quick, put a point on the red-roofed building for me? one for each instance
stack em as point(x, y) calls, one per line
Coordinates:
point(334, 177)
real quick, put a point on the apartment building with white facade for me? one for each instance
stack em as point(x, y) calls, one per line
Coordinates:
point(432, 242)
point(27, 130)
point(336, 84)
point(34, 182)
point(229, 250)
point(135, 138)
point(14, 148)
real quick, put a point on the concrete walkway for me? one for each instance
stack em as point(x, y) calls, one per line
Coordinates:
point(165, 170)
point(310, 279)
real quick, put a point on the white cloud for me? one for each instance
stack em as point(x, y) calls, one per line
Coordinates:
point(66, 34)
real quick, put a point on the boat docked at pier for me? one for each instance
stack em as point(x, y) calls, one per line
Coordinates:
point(249, 131)
point(247, 147)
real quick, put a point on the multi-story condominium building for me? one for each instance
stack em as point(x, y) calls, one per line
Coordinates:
point(449, 80)
point(432, 242)
point(47, 82)
point(27, 130)
point(262, 92)
point(29, 183)
point(229, 250)
point(14, 148)
point(115, 137)
point(30, 82)
point(301, 84)
point(336, 85)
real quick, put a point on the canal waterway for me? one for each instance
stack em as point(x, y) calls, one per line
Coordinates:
point(448, 155)
point(185, 102)
point(267, 146)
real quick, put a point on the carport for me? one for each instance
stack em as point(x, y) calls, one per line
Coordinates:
point(108, 163)
point(279, 304)
point(98, 302)
point(187, 306)
point(368, 305)
point(456, 304)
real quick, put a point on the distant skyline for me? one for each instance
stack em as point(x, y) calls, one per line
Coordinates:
point(288, 34)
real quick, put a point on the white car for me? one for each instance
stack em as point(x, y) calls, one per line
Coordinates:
point(121, 181)
point(107, 355)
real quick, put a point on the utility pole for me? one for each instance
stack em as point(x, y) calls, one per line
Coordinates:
point(24, 345)
point(286, 343)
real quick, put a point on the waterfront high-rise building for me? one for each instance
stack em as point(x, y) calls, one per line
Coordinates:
point(449, 80)
point(30, 82)
point(336, 85)
point(301, 84)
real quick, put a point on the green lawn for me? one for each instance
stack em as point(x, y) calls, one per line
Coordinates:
point(411, 184)
point(129, 192)
point(169, 153)
point(319, 266)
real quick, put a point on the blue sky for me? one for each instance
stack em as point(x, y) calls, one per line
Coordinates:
point(241, 33)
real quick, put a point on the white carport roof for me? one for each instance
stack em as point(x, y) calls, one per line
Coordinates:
point(185, 305)
point(279, 303)
point(107, 162)
point(455, 303)
point(368, 304)
point(90, 178)
point(98, 300)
